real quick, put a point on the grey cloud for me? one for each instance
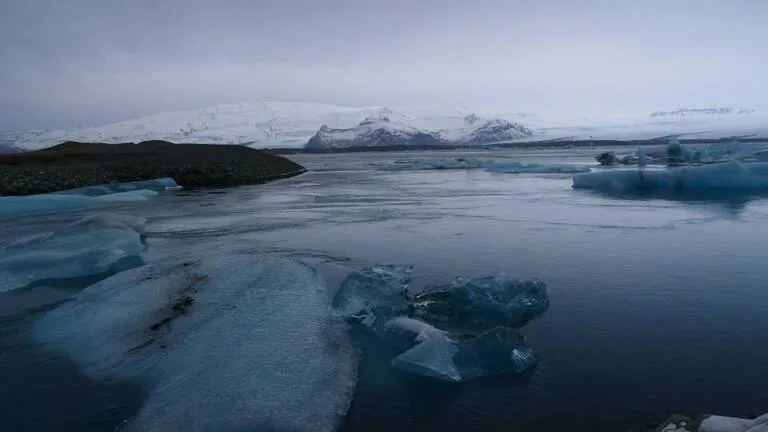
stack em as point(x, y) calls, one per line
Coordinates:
point(76, 62)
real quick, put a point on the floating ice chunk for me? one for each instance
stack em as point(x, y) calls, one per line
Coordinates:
point(233, 342)
point(459, 163)
point(500, 351)
point(88, 197)
point(642, 159)
point(456, 358)
point(51, 203)
point(373, 292)
point(732, 175)
point(481, 304)
point(533, 168)
point(90, 246)
point(431, 353)
point(157, 185)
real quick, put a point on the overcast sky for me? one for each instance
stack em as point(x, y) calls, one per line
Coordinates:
point(66, 63)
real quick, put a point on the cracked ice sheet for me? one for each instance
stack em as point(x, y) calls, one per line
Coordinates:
point(235, 342)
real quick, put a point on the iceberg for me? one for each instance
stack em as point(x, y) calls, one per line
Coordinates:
point(535, 168)
point(471, 305)
point(457, 358)
point(89, 246)
point(229, 342)
point(158, 185)
point(87, 197)
point(459, 163)
point(733, 175)
point(372, 293)
point(453, 332)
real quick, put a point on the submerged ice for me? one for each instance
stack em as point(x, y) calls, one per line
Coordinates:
point(89, 246)
point(453, 332)
point(231, 342)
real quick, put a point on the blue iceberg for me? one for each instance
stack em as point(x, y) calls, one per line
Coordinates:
point(454, 332)
point(225, 342)
point(88, 197)
point(470, 305)
point(733, 175)
point(89, 246)
point(455, 357)
point(372, 293)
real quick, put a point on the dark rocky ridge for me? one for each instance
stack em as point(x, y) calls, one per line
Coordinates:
point(73, 164)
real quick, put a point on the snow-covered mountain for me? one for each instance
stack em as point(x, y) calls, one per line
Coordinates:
point(373, 132)
point(285, 124)
point(382, 132)
point(262, 124)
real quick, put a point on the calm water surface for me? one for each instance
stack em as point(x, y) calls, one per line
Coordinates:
point(658, 303)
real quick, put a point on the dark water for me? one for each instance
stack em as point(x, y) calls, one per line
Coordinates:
point(658, 304)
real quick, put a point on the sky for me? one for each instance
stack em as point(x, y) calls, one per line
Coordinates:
point(72, 63)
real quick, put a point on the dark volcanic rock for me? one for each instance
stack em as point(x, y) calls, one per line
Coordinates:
point(72, 164)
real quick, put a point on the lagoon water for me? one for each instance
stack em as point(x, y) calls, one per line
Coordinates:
point(658, 303)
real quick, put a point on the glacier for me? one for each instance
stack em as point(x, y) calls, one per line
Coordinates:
point(731, 176)
point(87, 197)
point(455, 332)
point(222, 342)
point(90, 246)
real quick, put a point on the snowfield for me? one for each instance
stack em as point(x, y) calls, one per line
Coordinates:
point(289, 124)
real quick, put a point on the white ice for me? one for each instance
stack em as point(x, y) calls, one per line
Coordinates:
point(734, 424)
point(732, 175)
point(81, 198)
point(228, 342)
point(90, 246)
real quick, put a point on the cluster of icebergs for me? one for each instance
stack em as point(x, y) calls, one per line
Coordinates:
point(490, 165)
point(723, 166)
point(454, 332)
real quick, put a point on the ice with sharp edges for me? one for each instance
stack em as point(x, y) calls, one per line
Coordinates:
point(452, 332)
point(87, 197)
point(372, 293)
point(456, 357)
point(536, 168)
point(731, 176)
point(470, 305)
point(227, 342)
point(89, 246)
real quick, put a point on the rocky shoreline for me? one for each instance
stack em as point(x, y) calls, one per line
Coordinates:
point(73, 165)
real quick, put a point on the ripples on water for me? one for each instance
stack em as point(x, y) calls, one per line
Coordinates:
point(658, 302)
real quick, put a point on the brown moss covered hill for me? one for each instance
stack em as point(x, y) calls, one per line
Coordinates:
point(72, 164)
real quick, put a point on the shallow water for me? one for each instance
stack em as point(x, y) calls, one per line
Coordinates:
point(658, 303)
